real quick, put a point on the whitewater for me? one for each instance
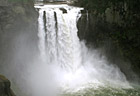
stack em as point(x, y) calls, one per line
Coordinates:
point(72, 64)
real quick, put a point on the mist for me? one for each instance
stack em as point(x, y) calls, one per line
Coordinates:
point(42, 66)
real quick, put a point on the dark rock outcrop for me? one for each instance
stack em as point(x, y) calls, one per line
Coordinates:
point(107, 32)
point(5, 89)
point(63, 10)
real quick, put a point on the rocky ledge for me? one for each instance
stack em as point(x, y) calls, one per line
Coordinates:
point(5, 89)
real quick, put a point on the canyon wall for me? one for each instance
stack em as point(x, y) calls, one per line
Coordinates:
point(112, 27)
point(18, 37)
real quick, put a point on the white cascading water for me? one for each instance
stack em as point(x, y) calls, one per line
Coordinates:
point(73, 64)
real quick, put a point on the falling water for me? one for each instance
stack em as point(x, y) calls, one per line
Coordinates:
point(73, 64)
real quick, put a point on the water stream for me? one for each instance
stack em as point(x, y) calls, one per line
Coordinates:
point(73, 65)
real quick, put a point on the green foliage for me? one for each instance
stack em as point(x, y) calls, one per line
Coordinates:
point(97, 5)
point(19, 0)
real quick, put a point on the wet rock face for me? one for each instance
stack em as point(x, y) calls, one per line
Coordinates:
point(116, 26)
point(5, 89)
point(63, 10)
point(97, 33)
point(18, 20)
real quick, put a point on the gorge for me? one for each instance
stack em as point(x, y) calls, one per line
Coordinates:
point(53, 54)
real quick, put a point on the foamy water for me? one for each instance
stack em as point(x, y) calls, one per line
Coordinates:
point(72, 64)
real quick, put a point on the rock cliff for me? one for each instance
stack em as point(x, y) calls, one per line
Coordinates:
point(112, 26)
point(5, 89)
point(18, 38)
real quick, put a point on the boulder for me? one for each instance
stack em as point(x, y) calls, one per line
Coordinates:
point(63, 10)
point(5, 89)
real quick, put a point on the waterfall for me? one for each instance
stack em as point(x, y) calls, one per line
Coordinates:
point(58, 40)
point(73, 63)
